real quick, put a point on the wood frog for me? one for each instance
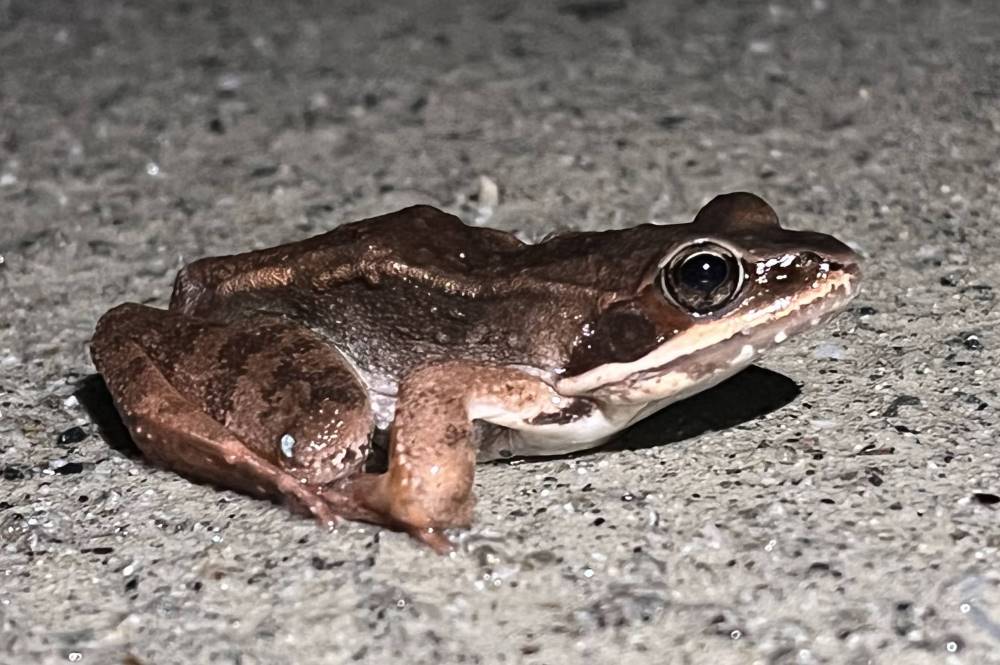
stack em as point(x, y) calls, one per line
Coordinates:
point(271, 370)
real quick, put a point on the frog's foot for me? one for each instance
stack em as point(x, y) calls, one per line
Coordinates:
point(364, 499)
point(367, 498)
point(207, 423)
point(433, 445)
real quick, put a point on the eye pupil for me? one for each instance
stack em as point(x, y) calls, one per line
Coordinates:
point(703, 272)
point(702, 278)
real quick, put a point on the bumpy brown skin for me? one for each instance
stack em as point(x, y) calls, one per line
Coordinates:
point(218, 412)
point(249, 381)
point(223, 421)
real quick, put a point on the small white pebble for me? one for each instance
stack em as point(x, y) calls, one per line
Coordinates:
point(828, 351)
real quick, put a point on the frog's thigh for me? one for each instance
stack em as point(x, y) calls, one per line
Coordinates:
point(172, 430)
point(432, 452)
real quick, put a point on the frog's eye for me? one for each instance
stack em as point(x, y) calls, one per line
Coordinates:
point(702, 278)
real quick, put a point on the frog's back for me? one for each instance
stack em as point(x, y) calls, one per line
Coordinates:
point(409, 237)
point(400, 289)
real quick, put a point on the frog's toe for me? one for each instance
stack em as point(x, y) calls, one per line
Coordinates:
point(433, 538)
point(307, 502)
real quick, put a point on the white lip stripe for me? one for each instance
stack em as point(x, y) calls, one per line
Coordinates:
point(700, 337)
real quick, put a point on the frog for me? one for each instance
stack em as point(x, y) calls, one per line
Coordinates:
point(274, 372)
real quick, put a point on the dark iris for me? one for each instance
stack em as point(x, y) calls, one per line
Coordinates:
point(703, 272)
point(702, 278)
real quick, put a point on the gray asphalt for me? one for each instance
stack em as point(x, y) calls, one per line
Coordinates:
point(837, 505)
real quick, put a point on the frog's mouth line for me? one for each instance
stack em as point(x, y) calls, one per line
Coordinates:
point(715, 350)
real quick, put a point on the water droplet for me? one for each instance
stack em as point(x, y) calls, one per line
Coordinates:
point(287, 445)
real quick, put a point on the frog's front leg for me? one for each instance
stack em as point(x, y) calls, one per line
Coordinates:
point(261, 406)
point(433, 444)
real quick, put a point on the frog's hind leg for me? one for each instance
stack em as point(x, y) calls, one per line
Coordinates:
point(190, 393)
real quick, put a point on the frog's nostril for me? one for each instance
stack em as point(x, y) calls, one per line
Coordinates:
point(847, 263)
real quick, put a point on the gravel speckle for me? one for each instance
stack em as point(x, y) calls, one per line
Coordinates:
point(839, 506)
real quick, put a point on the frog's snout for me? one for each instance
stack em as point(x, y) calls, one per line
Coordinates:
point(841, 256)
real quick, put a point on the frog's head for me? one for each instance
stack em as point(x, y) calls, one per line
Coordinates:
point(719, 292)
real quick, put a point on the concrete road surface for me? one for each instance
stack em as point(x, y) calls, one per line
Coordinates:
point(838, 504)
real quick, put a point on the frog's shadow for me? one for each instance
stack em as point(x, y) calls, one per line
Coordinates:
point(750, 394)
point(93, 395)
point(745, 396)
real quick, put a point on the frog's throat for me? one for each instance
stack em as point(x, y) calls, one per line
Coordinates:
point(750, 328)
